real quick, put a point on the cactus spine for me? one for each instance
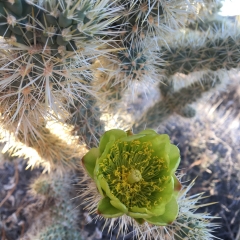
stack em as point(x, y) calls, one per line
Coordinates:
point(66, 60)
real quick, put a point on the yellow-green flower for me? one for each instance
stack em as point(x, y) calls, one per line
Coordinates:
point(135, 175)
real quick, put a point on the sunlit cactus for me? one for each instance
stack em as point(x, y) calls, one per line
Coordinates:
point(154, 18)
point(52, 150)
point(45, 57)
point(85, 118)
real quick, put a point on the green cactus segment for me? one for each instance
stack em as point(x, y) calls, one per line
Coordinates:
point(30, 71)
point(170, 214)
point(133, 61)
point(187, 112)
point(41, 187)
point(53, 25)
point(86, 121)
point(60, 232)
point(166, 87)
point(153, 117)
point(135, 175)
point(220, 53)
point(89, 161)
point(194, 92)
point(213, 22)
point(50, 186)
point(192, 228)
point(177, 102)
point(14, 6)
point(142, 17)
point(63, 214)
point(152, 18)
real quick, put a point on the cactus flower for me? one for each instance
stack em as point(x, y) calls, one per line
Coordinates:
point(135, 175)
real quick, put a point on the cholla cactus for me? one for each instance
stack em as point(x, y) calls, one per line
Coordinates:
point(59, 216)
point(176, 102)
point(86, 121)
point(67, 61)
point(192, 52)
point(46, 56)
point(47, 64)
point(49, 149)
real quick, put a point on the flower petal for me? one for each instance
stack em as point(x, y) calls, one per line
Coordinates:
point(107, 210)
point(89, 161)
point(150, 134)
point(138, 215)
point(160, 145)
point(146, 213)
point(177, 185)
point(148, 131)
point(174, 156)
point(97, 173)
point(117, 204)
point(110, 135)
point(114, 200)
point(165, 196)
point(155, 139)
point(170, 214)
point(131, 138)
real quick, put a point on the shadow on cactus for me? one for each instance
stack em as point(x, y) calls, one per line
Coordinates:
point(86, 121)
point(58, 217)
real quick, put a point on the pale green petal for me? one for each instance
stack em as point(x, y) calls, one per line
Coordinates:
point(99, 160)
point(114, 200)
point(104, 154)
point(99, 187)
point(138, 215)
point(160, 145)
point(170, 214)
point(132, 137)
point(144, 211)
point(89, 161)
point(117, 204)
point(155, 139)
point(148, 131)
point(158, 210)
point(111, 135)
point(165, 196)
point(107, 210)
point(174, 156)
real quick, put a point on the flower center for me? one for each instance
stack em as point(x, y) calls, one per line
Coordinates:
point(134, 176)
